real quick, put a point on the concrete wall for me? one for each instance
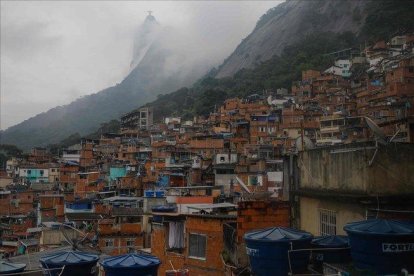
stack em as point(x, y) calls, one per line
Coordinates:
point(345, 213)
point(114, 173)
point(224, 180)
point(4, 181)
point(150, 202)
point(329, 169)
point(55, 237)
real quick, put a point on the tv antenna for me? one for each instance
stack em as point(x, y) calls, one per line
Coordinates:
point(81, 243)
point(380, 137)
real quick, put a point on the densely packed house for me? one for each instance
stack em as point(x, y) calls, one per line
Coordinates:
point(335, 149)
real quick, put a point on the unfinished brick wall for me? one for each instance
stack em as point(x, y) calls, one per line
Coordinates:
point(120, 244)
point(158, 246)
point(212, 265)
point(213, 229)
point(5, 204)
point(22, 228)
point(310, 74)
point(25, 203)
point(253, 215)
point(52, 208)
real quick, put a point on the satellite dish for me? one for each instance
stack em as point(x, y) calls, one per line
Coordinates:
point(307, 143)
point(269, 100)
point(80, 243)
point(379, 134)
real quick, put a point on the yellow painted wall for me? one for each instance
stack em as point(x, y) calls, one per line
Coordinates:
point(345, 213)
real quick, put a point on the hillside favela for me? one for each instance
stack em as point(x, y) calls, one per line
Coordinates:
point(207, 138)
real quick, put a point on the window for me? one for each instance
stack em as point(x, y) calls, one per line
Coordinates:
point(327, 222)
point(109, 243)
point(41, 172)
point(130, 243)
point(176, 235)
point(197, 246)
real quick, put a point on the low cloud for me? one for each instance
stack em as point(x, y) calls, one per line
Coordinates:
point(55, 52)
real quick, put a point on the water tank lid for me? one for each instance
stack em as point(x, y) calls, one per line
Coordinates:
point(331, 240)
point(130, 261)
point(69, 257)
point(277, 234)
point(11, 267)
point(163, 208)
point(381, 227)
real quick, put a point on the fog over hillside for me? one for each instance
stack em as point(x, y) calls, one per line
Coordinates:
point(55, 52)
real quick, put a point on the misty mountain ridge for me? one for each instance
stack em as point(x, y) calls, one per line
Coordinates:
point(362, 22)
point(290, 22)
point(287, 39)
point(161, 62)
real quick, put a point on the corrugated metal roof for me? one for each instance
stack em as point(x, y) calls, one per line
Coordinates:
point(204, 206)
point(123, 198)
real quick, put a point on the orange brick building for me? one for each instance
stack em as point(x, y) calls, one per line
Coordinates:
point(210, 244)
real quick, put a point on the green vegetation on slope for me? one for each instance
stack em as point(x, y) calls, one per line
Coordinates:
point(386, 18)
point(109, 127)
point(275, 73)
point(7, 151)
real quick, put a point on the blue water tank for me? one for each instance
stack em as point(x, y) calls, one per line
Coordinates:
point(164, 209)
point(330, 249)
point(9, 268)
point(159, 193)
point(268, 250)
point(149, 193)
point(75, 263)
point(382, 246)
point(131, 264)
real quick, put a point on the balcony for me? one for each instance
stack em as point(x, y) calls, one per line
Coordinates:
point(298, 125)
point(10, 243)
point(328, 141)
point(330, 129)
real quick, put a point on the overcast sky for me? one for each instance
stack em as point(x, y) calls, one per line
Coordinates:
point(55, 52)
